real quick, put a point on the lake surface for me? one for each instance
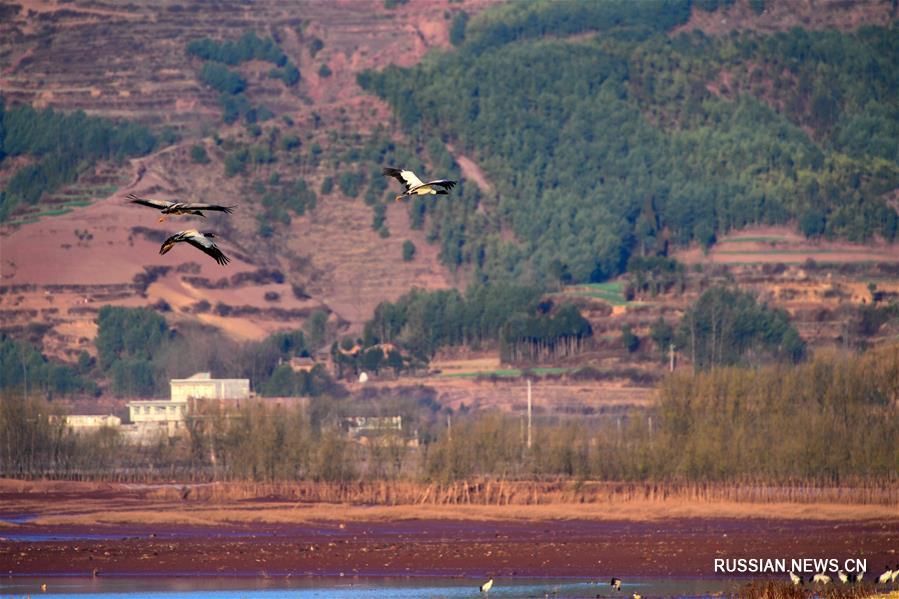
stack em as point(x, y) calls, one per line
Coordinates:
point(350, 588)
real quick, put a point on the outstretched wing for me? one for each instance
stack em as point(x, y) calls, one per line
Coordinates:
point(158, 204)
point(225, 209)
point(445, 183)
point(407, 178)
point(203, 243)
point(168, 243)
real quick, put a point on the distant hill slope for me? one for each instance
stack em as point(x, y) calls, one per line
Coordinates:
point(611, 128)
point(130, 61)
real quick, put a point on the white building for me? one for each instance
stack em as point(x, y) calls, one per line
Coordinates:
point(90, 422)
point(158, 415)
point(152, 417)
point(203, 386)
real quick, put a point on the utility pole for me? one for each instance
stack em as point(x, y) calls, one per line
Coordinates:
point(671, 357)
point(529, 413)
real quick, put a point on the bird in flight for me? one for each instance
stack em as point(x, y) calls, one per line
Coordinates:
point(178, 208)
point(201, 241)
point(415, 186)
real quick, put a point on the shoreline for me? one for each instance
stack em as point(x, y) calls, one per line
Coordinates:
point(679, 547)
point(79, 529)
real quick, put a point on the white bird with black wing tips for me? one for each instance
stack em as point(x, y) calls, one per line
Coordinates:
point(201, 241)
point(485, 588)
point(178, 208)
point(415, 186)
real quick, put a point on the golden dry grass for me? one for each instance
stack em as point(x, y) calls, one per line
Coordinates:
point(101, 512)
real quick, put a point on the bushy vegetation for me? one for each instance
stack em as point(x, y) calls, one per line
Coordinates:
point(249, 47)
point(279, 199)
point(64, 146)
point(221, 79)
point(423, 321)
point(215, 74)
point(726, 327)
point(139, 353)
point(599, 149)
point(545, 336)
point(23, 367)
point(831, 420)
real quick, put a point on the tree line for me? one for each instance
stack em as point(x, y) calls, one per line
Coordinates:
point(64, 145)
point(830, 420)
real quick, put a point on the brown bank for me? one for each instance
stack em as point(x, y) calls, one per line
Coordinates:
point(113, 530)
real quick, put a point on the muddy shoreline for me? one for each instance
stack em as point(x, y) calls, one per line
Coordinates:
point(682, 547)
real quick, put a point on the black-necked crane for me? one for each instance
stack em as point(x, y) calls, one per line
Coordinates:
point(821, 579)
point(178, 208)
point(886, 577)
point(895, 574)
point(615, 583)
point(201, 241)
point(415, 186)
point(485, 588)
point(796, 580)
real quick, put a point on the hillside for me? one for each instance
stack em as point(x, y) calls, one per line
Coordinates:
point(69, 56)
point(664, 134)
point(655, 135)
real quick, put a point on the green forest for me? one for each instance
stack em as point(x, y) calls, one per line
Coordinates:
point(632, 139)
point(218, 56)
point(63, 146)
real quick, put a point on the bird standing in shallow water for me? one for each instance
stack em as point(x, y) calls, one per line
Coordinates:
point(615, 583)
point(485, 588)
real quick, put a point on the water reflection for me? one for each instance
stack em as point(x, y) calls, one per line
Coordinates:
point(346, 588)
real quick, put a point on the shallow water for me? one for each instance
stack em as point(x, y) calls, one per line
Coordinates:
point(351, 588)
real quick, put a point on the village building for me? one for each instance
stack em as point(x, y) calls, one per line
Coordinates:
point(203, 386)
point(155, 417)
point(80, 423)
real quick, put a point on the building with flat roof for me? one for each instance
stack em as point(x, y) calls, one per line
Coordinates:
point(157, 416)
point(150, 418)
point(203, 386)
point(90, 422)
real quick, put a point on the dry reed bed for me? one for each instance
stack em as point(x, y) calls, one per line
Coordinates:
point(492, 492)
point(62, 503)
point(252, 513)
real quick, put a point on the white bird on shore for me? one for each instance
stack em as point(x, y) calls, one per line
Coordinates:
point(485, 588)
point(895, 573)
point(615, 583)
point(886, 576)
point(844, 578)
point(822, 578)
point(797, 580)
